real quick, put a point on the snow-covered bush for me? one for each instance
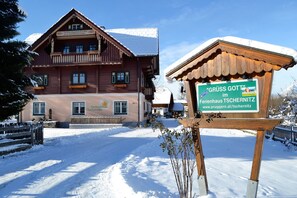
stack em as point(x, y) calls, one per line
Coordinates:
point(285, 105)
point(178, 144)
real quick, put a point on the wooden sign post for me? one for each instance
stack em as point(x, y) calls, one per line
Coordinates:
point(232, 77)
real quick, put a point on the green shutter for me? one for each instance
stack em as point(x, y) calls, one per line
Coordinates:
point(113, 77)
point(127, 77)
point(45, 80)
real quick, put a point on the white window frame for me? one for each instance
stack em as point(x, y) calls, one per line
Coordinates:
point(92, 47)
point(120, 77)
point(79, 110)
point(41, 79)
point(41, 108)
point(121, 107)
point(79, 49)
point(66, 49)
point(78, 78)
point(75, 26)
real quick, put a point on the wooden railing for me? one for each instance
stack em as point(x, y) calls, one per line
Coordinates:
point(86, 57)
point(149, 93)
point(20, 137)
point(58, 58)
point(285, 134)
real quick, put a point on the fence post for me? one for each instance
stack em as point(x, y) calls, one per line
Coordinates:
point(292, 134)
point(39, 133)
point(31, 127)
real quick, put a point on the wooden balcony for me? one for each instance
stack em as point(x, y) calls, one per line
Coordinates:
point(59, 58)
point(85, 57)
point(149, 93)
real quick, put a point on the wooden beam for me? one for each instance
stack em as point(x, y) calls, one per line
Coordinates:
point(202, 179)
point(252, 186)
point(257, 155)
point(190, 92)
point(232, 123)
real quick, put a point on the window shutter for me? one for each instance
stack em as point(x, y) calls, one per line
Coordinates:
point(127, 77)
point(45, 80)
point(113, 77)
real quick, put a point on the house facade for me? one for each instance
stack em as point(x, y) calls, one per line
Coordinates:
point(83, 70)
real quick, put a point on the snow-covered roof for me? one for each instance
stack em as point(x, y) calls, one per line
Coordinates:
point(182, 101)
point(141, 41)
point(136, 41)
point(162, 96)
point(32, 38)
point(235, 40)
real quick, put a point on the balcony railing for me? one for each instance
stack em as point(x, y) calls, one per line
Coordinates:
point(149, 93)
point(58, 58)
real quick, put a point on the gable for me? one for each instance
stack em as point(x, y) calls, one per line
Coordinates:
point(60, 30)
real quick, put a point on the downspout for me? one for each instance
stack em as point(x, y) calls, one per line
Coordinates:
point(138, 92)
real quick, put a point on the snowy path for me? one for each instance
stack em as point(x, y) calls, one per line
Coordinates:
point(123, 162)
point(64, 164)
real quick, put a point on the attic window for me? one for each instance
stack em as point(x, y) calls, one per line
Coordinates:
point(75, 26)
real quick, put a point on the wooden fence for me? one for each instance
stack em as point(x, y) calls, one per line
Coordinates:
point(20, 137)
point(286, 134)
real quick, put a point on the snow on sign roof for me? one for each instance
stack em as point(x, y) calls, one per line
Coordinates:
point(141, 41)
point(239, 41)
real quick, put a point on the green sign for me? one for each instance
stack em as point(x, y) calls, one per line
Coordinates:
point(231, 96)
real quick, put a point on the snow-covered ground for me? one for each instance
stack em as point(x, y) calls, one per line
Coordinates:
point(123, 162)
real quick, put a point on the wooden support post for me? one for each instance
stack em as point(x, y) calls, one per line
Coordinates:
point(202, 179)
point(252, 186)
point(190, 91)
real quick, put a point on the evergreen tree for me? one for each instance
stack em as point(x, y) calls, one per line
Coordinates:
point(14, 56)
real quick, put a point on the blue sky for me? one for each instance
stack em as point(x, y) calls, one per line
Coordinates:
point(182, 24)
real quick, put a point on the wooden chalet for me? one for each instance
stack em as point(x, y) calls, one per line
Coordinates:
point(83, 71)
point(163, 102)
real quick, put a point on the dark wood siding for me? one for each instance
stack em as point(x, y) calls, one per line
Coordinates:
point(98, 78)
point(108, 54)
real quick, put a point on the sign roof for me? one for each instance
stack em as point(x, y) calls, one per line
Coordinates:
point(241, 47)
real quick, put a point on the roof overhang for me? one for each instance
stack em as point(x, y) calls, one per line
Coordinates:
point(258, 57)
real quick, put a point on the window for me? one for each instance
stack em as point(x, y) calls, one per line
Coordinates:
point(120, 77)
point(92, 47)
point(38, 108)
point(120, 108)
point(75, 27)
point(78, 78)
point(79, 49)
point(78, 108)
point(41, 79)
point(66, 49)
